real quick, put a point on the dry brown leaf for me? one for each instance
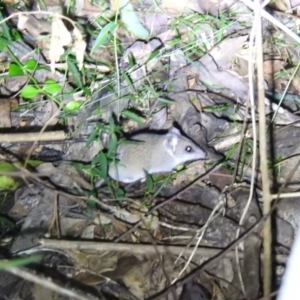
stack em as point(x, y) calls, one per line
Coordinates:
point(294, 3)
point(159, 119)
point(46, 111)
point(138, 279)
point(176, 7)
point(281, 5)
point(5, 121)
point(64, 176)
point(79, 47)
point(86, 8)
point(296, 84)
point(79, 4)
point(225, 52)
point(114, 5)
point(214, 6)
point(51, 2)
point(102, 68)
point(221, 79)
point(272, 66)
point(22, 22)
point(72, 226)
point(156, 23)
point(60, 37)
point(217, 292)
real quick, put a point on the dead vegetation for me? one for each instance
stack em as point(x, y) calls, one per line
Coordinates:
point(77, 77)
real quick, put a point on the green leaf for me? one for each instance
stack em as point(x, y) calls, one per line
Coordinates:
point(34, 163)
point(102, 36)
point(91, 203)
point(5, 222)
point(111, 122)
point(8, 183)
point(103, 165)
point(166, 101)
point(112, 145)
point(5, 29)
point(179, 168)
point(30, 64)
point(3, 44)
point(50, 86)
point(120, 192)
point(19, 262)
point(131, 20)
point(131, 61)
point(128, 80)
point(72, 106)
point(131, 115)
point(29, 92)
point(92, 137)
point(15, 70)
point(74, 71)
point(152, 55)
point(149, 183)
point(90, 207)
point(16, 35)
point(6, 167)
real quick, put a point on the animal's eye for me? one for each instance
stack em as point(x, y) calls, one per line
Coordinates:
point(188, 149)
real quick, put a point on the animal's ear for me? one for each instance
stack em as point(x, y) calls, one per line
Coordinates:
point(174, 130)
point(171, 141)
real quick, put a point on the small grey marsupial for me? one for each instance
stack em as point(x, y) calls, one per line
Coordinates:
point(154, 153)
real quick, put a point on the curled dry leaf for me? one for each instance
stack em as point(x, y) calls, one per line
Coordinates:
point(214, 6)
point(22, 22)
point(60, 37)
point(79, 47)
point(272, 66)
point(79, 4)
point(159, 119)
point(46, 112)
point(114, 5)
point(87, 8)
point(177, 7)
point(225, 52)
point(5, 120)
point(281, 5)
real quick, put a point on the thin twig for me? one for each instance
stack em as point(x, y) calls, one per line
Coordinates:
point(254, 132)
point(274, 21)
point(286, 195)
point(38, 12)
point(267, 199)
point(46, 283)
point(201, 232)
point(129, 247)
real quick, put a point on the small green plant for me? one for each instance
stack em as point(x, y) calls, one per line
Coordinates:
point(149, 184)
point(105, 34)
point(18, 262)
point(275, 164)
point(32, 88)
point(7, 182)
point(98, 168)
point(48, 87)
point(216, 108)
point(5, 223)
